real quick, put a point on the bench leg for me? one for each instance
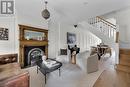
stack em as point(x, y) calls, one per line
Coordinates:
point(37, 69)
point(59, 72)
point(45, 78)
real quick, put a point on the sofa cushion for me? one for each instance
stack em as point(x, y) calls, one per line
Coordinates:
point(92, 63)
point(81, 60)
point(86, 62)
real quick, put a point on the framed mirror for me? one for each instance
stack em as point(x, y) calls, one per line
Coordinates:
point(34, 35)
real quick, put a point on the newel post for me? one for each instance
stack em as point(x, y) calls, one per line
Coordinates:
point(117, 34)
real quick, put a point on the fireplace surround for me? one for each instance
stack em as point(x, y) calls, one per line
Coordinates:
point(31, 48)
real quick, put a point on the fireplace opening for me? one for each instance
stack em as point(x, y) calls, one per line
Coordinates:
point(32, 54)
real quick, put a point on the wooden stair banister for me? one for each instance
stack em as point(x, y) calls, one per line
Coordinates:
point(107, 22)
point(105, 27)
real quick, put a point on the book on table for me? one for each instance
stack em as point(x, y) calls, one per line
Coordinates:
point(50, 63)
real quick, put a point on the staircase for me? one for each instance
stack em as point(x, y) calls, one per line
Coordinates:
point(105, 30)
point(124, 60)
point(109, 34)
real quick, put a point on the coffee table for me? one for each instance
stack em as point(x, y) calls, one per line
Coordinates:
point(45, 70)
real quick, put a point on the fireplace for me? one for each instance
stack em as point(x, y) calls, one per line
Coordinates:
point(31, 46)
point(32, 54)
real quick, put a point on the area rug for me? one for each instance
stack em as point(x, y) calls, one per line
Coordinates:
point(72, 76)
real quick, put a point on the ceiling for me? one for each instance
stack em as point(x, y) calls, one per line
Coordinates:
point(69, 11)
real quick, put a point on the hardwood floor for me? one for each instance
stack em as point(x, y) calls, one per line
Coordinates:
point(113, 78)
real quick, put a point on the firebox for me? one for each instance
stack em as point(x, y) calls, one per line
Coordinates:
point(32, 54)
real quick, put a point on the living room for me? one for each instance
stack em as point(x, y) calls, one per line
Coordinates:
point(26, 26)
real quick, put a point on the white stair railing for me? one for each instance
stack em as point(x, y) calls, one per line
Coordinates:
point(104, 26)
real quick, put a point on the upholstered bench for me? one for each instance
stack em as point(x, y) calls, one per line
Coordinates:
point(11, 75)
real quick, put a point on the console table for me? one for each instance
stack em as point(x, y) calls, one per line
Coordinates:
point(45, 70)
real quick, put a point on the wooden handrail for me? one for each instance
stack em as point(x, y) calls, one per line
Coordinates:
point(113, 26)
point(106, 21)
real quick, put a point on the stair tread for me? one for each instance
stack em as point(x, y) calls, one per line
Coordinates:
point(123, 68)
point(124, 51)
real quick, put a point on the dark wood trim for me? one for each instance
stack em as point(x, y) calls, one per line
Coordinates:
point(33, 43)
point(117, 37)
point(105, 21)
point(33, 28)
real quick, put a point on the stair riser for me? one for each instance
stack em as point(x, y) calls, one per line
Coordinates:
point(122, 62)
point(125, 57)
point(125, 51)
point(123, 68)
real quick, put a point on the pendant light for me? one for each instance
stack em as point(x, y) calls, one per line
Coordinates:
point(45, 12)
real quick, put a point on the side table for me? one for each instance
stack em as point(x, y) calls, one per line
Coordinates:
point(45, 70)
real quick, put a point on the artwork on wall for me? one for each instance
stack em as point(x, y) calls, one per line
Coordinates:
point(71, 38)
point(4, 32)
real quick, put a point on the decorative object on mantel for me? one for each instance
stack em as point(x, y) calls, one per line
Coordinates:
point(45, 12)
point(4, 33)
point(34, 35)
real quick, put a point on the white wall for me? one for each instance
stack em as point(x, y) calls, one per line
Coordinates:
point(8, 46)
point(53, 40)
point(58, 38)
point(123, 20)
point(85, 39)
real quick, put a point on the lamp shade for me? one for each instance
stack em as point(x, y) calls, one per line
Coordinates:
point(45, 14)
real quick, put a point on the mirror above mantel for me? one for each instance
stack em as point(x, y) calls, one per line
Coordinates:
point(32, 33)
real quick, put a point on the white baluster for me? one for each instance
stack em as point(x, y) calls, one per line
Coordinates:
point(108, 31)
point(103, 26)
point(98, 24)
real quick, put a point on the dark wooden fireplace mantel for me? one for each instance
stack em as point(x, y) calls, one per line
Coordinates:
point(31, 42)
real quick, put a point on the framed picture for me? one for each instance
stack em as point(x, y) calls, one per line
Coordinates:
point(4, 33)
point(71, 38)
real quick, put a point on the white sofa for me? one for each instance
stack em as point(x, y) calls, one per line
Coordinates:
point(86, 62)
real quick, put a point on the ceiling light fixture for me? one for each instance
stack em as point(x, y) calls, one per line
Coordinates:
point(45, 12)
point(75, 25)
